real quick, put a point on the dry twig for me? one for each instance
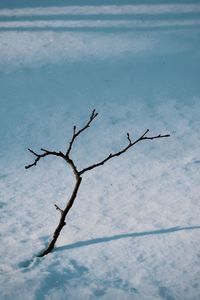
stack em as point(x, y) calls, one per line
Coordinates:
point(67, 158)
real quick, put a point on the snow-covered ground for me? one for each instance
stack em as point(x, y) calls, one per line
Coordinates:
point(133, 232)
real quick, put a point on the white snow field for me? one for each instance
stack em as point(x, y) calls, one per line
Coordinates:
point(134, 229)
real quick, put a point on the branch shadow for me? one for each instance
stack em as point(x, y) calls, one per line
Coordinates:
point(123, 236)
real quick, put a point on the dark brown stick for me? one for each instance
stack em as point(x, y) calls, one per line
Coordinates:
point(77, 174)
point(62, 219)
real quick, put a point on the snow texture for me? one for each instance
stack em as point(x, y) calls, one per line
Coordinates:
point(134, 229)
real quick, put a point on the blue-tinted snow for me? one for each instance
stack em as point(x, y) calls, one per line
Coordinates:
point(133, 232)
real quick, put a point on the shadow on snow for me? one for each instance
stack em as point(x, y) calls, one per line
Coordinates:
point(122, 236)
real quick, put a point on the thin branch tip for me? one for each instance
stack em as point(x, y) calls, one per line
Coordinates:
point(44, 150)
point(58, 208)
point(33, 152)
point(94, 114)
point(128, 137)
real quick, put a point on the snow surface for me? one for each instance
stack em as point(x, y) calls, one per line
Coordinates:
point(133, 232)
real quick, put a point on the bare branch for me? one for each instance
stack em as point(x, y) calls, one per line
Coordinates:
point(128, 137)
point(70, 162)
point(39, 156)
point(155, 137)
point(58, 208)
point(141, 138)
point(76, 134)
